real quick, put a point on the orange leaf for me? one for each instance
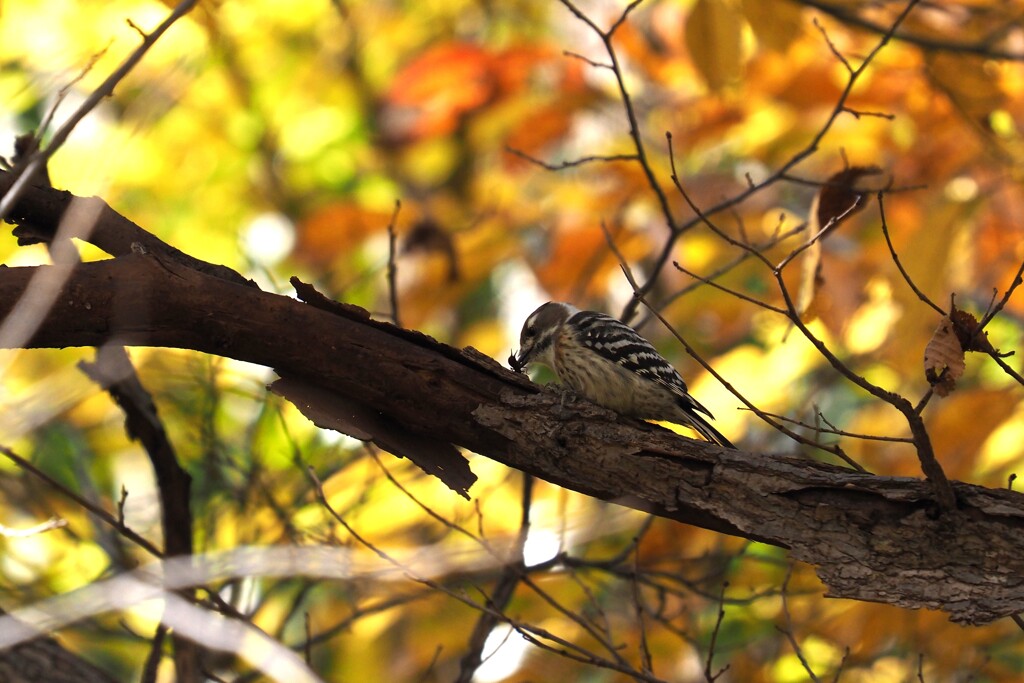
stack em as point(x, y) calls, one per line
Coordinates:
point(544, 126)
point(334, 229)
point(430, 95)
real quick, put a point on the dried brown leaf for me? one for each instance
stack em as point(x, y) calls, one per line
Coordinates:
point(971, 338)
point(811, 279)
point(841, 196)
point(944, 358)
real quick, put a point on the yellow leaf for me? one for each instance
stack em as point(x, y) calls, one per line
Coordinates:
point(714, 32)
point(776, 24)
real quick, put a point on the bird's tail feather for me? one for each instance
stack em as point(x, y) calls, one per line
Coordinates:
point(708, 432)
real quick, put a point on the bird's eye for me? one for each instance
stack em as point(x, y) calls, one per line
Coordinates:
point(529, 333)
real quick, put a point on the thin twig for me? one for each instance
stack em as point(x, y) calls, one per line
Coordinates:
point(708, 676)
point(842, 664)
point(788, 630)
point(105, 89)
point(724, 268)
point(627, 104)
point(985, 47)
point(993, 311)
point(822, 231)
point(839, 432)
point(622, 17)
point(899, 265)
point(922, 441)
point(533, 634)
point(731, 292)
point(392, 269)
point(96, 510)
point(152, 666)
point(1018, 620)
point(807, 151)
point(638, 602)
point(586, 60)
point(628, 273)
point(502, 594)
point(857, 113)
point(524, 575)
point(925, 451)
point(602, 158)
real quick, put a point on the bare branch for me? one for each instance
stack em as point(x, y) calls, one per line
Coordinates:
point(630, 110)
point(807, 151)
point(392, 270)
point(573, 163)
point(708, 676)
point(831, 46)
point(85, 504)
point(788, 630)
point(834, 449)
point(832, 429)
point(985, 47)
point(105, 89)
point(501, 595)
point(899, 265)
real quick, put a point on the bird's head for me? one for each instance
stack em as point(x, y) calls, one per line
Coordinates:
point(537, 339)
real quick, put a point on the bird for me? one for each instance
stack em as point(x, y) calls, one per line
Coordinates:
point(607, 362)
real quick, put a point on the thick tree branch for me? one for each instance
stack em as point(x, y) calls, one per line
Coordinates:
point(871, 538)
point(44, 659)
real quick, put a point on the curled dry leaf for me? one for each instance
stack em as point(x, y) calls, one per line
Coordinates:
point(971, 337)
point(840, 197)
point(810, 279)
point(944, 358)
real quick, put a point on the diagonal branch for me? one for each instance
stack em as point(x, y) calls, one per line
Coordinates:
point(873, 538)
point(870, 537)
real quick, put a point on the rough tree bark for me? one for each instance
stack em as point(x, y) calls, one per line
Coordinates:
point(44, 659)
point(870, 537)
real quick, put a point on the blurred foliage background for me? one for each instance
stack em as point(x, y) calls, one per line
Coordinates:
point(277, 137)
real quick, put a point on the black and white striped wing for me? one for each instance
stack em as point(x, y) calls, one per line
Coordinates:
point(621, 344)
